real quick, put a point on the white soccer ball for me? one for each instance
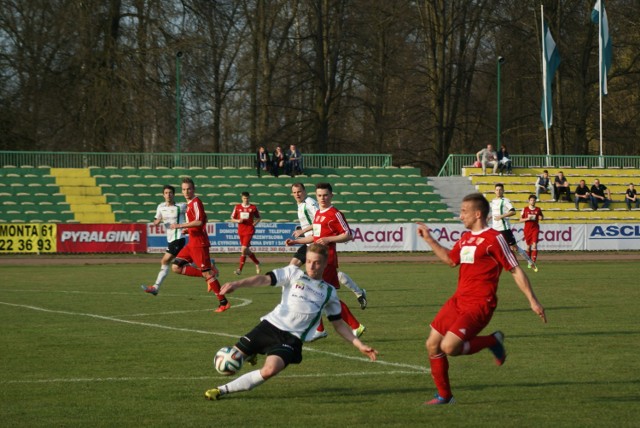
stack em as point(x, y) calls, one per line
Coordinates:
point(228, 360)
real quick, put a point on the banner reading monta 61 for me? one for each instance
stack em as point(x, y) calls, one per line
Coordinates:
point(28, 238)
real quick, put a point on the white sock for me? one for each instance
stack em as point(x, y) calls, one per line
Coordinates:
point(246, 382)
point(349, 283)
point(164, 271)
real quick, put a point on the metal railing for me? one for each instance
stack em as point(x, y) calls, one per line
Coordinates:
point(454, 163)
point(173, 160)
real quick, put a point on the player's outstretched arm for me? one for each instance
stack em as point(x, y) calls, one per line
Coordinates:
point(443, 254)
point(343, 330)
point(525, 286)
point(252, 281)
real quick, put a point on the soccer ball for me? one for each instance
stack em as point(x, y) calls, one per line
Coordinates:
point(228, 360)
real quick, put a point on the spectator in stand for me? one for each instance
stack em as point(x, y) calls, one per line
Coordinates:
point(262, 160)
point(582, 194)
point(277, 161)
point(561, 185)
point(600, 193)
point(543, 184)
point(488, 157)
point(631, 196)
point(294, 161)
point(504, 161)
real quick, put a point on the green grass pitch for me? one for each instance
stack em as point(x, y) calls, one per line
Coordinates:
point(84, 346)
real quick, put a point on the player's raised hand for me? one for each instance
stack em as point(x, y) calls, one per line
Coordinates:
point(423, 230)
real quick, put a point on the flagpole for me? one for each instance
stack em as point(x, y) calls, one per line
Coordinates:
point(600, 59)
point(544, 80)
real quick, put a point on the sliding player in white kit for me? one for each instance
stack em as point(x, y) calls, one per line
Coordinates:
point(168, 213)
point(282, 332)
point(307, 208)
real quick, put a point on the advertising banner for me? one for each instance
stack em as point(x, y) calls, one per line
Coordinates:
point(269, 238)
point(102, 238)
point(381, 237)
point(613, 236)
point(28, 238)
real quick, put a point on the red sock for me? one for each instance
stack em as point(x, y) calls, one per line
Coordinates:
point(529, 253)
point(348, 317)
point(191, 271)
point(477, 344)
point(214, 285)
point(534, 255)
point(242, 260)
point(254, 259)
point(440, 374)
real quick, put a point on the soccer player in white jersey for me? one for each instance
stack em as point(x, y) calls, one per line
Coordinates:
point(168, 213)
point(282, 332)
point(501, 210)
point(307, 208)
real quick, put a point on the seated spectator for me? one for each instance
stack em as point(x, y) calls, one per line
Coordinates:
point(561, 185)
point(262, 160)
point(488, 157)
point(582, 194)
point(504, 161)
point(294, 161)
point(631, 197)
point(600, 193)
point(543, 184)
point(277, 161)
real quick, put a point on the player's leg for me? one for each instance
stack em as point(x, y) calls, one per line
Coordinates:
point(360, 293)
point(182, 263)
point(534, 251)
point(165, 265)
point(210, 275)
point(243, 256)
point(251, 254)
point(439, 365)
point(282, 349)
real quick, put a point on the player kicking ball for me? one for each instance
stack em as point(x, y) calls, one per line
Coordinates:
point(282, 332)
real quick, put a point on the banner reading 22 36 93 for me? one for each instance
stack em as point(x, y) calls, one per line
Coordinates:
point(28, 238)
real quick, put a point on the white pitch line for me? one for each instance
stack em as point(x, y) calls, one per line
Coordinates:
point(163, 378)
point(213, 333)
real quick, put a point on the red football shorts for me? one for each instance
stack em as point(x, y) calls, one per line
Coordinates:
point(531, 235)
point(199, 256)
point(245, 239)
point(464, 318)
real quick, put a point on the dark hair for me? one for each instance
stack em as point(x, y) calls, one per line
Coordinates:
point(170, 187)
point(245, 194)
point(189, 180)
point(324, 186)
point(533, 196)
point(498, 185)
point(480, 203)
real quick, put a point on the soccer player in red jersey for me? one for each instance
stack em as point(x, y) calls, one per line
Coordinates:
point(247, 216)
point(482, 253)
point(197, 250)
point(531, 215)
point(330, 228)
